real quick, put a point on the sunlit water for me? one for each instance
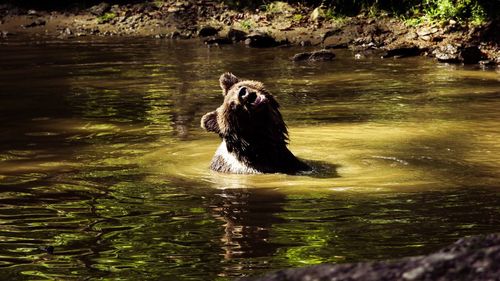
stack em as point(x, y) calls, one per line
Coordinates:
point(102, 157)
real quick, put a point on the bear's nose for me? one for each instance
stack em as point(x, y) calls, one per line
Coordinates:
point(245, 96)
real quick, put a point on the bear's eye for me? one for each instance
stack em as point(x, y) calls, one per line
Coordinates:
point(242, 92)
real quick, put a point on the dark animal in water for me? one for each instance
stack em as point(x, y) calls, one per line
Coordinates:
point(254, 135)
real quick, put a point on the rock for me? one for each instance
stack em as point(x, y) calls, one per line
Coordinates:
point(458, 54)
point(329, 33)
point(337, 46)
point(4, 34)
point(33, 13)
point(173, 10)
point(260, 40)
point(426, 31)
point(115, 9)
point(207, 31)
point(321, 55)
point(337, 42)
point(236, 35)
point(145, 7)
point(67, 31)
point(473, 258)
point(37, 22)
point(174, 35)
point(100, 9)
point(447, 53)
point(218, 41)
point(426, 37)
point(305, 43)
point(360, 41)
point(471, 54)
point(402, 52)
point(486, 62)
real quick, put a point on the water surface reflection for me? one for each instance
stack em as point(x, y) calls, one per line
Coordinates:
point(101, 156)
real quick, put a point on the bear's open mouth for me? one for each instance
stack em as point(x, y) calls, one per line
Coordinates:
point(260, 99)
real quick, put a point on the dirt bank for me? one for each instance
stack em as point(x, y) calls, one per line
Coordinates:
point(278, 24)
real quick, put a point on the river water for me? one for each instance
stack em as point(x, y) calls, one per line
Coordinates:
point(102, 158)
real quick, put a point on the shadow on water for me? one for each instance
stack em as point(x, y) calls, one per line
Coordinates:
point(322, 169)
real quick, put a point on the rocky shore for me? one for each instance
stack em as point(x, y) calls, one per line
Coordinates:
point(279, 24)
point(472, 259)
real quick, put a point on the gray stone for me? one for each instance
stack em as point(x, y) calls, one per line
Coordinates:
point(37, 22)
point(67, 31)
point(425, 31)
point(458, 54)
point(33, 13)
point(100, 9)
point(474, 259)
point(486, 62)
point(320, 55)
point(4, 34)
point(343, 45)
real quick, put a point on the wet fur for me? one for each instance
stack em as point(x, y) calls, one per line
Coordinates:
point(254, 138)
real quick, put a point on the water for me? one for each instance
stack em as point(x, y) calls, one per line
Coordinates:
point(102, 157)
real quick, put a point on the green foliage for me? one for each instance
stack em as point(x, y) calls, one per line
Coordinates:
point(297, 17)
point(106, 17)
point(273, 7)
point(476, 11)
point(479, 15)
point(455, 9)
point(159, 3)
point(247, 25)
point(330, 14)
point(373, 11)
point(277, 7)
point(413, 21)
point(333, 16)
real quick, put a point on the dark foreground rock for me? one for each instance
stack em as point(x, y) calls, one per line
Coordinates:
point(236, 35)
point(207, 31)
point(260, 40)
point(320, 55)
point(473, 258)
point(402, 52)
point(218, 41)
point(458, 54)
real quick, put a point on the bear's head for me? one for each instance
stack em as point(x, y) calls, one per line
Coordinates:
point(248, 115)
point(254, 135)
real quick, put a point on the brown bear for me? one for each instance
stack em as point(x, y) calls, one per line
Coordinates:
point(254, 135)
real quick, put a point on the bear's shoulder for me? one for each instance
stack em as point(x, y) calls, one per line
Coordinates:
point(227, 162)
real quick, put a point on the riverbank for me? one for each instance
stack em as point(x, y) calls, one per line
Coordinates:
point(276, 24)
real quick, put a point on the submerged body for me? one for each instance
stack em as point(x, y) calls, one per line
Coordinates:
point(254, 135)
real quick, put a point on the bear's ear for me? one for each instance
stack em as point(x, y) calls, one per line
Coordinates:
point(227, 80)
point(209, 122)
